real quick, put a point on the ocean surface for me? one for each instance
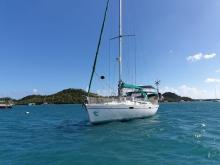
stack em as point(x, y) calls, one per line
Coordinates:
point(180, 133)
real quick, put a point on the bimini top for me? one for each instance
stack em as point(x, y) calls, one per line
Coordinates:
point(143, 89)
point(147, 87)
point(131, 86)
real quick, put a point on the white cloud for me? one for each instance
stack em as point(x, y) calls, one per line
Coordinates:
point(35, 91)
point(209, 56)
point(168, 89)
point(218, 70)
point(212, 80)
point(193, 92)
point(195, 57)
point(188, 91)
point(200, 56)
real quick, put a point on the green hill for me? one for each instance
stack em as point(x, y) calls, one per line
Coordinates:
point(172, 97)
point(67, 96)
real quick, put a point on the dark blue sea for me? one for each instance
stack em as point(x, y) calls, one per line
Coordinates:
point(180, 133)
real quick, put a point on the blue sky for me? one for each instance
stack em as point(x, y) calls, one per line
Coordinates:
point(49, 45)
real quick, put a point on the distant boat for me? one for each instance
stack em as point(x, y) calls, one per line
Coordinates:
point(5, 106)
point(31, 104)
point(132, 102)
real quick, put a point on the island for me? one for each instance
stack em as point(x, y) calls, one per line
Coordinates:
point(172, 97)
point(67, 96)
point(77, 96)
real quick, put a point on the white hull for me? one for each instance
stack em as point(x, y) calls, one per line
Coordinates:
point(99, 113)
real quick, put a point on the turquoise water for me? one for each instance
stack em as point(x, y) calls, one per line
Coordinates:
point(180, 133)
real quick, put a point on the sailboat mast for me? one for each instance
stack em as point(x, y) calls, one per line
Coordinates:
point(120, 48)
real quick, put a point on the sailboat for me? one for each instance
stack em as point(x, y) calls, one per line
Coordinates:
point(132, 101)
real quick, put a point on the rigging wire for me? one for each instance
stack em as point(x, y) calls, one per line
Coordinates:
point(135, 61)
point(109, 64)
point(131, 61)
point(99, 43)
point(133, 29)
point(106, 84)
